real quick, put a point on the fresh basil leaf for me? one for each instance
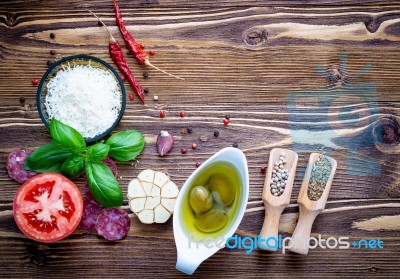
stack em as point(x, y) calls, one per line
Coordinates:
point(73, 166)
point(124, 155)
point(126, 145)
point(97, 152)
point(66, 135)
point(47, 158)
point(103, 185)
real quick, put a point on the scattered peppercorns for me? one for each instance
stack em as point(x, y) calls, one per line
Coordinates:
point(227, 116)
point(22, 99)
point(226, 122)
point(162, 114)
point(145, 74)
point(50, 62)
point(152, 52)
point(122, 77)
point(155, 98)
point(182, 114)
point(131, 97)
point(99, 23)
point(235, 144)
point(52, 52)
point(35, 81)
point(263, 169)
point(141, 45)
point(183, 150)
point(146, 90)
point(198, 164)
point(216, 133)
point(189, 130)
point(52, 35)
point(194, 146)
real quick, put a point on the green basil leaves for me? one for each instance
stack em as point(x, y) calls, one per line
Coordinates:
point(66, 136)
point(68, 154)
point(126, 145)
point(103, 185)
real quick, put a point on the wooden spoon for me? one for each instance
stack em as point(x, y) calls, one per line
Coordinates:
point(309, 209)
point(275, 205)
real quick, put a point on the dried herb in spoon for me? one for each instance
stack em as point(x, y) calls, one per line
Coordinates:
point(320, 174)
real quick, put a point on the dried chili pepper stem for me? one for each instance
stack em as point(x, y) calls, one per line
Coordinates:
point(117, 56)
point(132, 45)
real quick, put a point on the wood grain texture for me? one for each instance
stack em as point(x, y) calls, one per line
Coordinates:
point(303, 75)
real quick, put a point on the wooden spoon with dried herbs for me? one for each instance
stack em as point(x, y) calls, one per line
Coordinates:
point(312, 198)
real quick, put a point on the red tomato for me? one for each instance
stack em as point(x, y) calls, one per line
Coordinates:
point(48, 207)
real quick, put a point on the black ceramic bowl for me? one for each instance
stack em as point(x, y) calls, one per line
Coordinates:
point(72, 61)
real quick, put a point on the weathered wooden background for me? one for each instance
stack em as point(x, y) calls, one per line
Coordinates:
point(252, 60)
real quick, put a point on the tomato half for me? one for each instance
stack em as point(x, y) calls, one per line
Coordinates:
point(48, 207)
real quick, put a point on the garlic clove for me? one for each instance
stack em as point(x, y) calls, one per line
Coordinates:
point(165, 141)
point(146, 216)
point(135, 189)
point(146, 176)
point(169, 190)
point(169, 204)
point(147, 187)
point(160, 179)
point(152, 202)
point(137, 204)
point(161, 214)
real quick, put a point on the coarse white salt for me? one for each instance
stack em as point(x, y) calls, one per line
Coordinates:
point(85, 98)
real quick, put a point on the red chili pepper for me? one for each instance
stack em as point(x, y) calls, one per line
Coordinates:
point(131, 43)
point(117, 56)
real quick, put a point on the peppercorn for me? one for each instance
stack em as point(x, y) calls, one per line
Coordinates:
point(263, 169)
point(146, 90)
point(198, 164)
point(162, 114)
point(227, 116)
point(141, 45)
point(52, 52)
point(35, 81)
point(194, 146)
point(152, 52)
point(60, 68)
point(22, 99)
point(189, 130)
point(122, 77)
point(235, 144)
point(216, 133)
point(145, 74)
point(131, 97)
point(50, 62)
point(183, 150)
point(155, 98)
point(52, 35)
point(226, 122)
point(182, 114)
point(99, 23)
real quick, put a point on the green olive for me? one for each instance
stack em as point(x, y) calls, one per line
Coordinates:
point(222, 192)
point(200, 199)
point(211, 221)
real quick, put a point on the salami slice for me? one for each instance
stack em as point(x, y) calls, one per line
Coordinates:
point(89, 195)
point(113, 224)
point(111, 164)
point(15, 165)
point(91, 213)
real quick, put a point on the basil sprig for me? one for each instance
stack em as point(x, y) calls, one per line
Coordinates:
point(69, 155)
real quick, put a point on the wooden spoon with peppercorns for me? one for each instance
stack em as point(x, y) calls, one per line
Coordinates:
point(312, 198)
point(276, 194)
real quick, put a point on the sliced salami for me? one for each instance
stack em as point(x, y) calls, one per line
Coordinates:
point(15, 165)
point(111, 164)
point(91, 213)
point(113, 224)
point(89, 195)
